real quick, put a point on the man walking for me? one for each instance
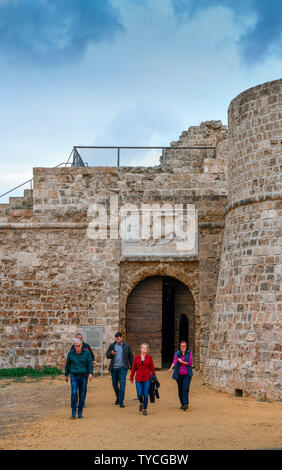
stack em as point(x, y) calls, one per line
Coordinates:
point(84, 346)
point(121, 356)
point(88, 348)
point(79, 365)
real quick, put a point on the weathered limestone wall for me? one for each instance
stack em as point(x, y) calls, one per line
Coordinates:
point(50, 287)
point(55, 278)
point(245, 339)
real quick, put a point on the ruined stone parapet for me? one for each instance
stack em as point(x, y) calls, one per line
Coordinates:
point(244, 349)
point(207, 134)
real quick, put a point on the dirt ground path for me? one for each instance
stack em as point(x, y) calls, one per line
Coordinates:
point(36, 415)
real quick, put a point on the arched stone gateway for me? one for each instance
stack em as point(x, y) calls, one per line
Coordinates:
point(154, 310)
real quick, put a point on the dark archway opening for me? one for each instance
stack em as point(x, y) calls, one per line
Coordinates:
point(183, 328)
point(168, 321)
point(160, 311)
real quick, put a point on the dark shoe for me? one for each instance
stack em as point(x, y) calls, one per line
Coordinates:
point(79, 415)
point(145, 413)
point(73, 415)
point(185, 407)
point(141, 407)
point(116, 402)
point(121, 405)
point(181, 407)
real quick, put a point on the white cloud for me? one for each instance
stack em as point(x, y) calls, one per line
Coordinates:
point(158, 78)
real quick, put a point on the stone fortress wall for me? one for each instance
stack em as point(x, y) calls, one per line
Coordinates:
point(55, 279)
point(245, 332)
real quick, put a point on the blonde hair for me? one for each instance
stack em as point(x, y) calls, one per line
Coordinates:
point(144, 344)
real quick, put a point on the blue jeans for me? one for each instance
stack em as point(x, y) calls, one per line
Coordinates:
point(78, 391)
point(143, 389)
point(119, 381)
point(183, 383)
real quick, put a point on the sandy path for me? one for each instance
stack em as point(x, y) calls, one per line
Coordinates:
point(41, 413)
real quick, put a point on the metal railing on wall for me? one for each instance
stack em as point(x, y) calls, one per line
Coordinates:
point(75, 159)
point(26, 182)
point(78, 157)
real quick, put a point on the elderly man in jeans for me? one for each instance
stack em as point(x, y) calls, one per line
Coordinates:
point(79, 365)
point(84, 346)
point(121, 356)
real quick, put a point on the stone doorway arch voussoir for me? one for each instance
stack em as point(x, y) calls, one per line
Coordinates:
point(189, 277)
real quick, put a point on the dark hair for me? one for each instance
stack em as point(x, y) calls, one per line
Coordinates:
point(118, 334)
point(183, 341)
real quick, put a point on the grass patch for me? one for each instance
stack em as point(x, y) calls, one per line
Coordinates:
point(29, 372)
point(264, 400)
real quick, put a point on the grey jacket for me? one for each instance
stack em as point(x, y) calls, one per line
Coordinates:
point(127, 355)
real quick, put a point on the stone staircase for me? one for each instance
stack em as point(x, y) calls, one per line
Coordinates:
point(19, 209)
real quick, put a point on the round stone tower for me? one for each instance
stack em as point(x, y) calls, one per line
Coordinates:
point(245, 343)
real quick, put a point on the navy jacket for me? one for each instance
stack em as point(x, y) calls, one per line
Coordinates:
point(177, 366)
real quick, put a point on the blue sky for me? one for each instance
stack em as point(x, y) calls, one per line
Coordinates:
point(123, 72)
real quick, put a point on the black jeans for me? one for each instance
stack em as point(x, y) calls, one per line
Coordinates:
point(183, 383)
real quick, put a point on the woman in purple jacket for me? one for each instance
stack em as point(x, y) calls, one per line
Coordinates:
point(182, 364)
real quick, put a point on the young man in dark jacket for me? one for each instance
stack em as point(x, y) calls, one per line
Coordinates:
point(79, 365)
point(121, 356)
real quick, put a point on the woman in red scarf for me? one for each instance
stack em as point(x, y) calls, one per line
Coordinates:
point(143, 365)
